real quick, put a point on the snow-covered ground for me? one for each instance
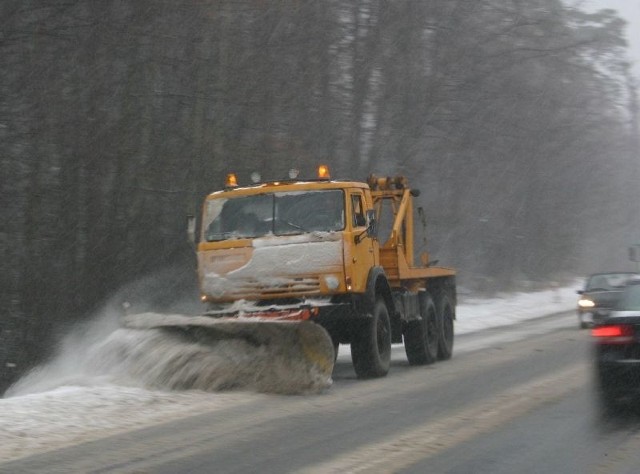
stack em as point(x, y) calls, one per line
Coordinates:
point(478, 314)
point(71, 400)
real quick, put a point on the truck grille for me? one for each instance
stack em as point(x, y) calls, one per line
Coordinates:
point(289, 287)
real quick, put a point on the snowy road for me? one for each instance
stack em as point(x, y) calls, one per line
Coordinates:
point(62, 407)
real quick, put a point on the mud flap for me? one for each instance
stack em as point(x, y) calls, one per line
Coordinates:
point(284, 356)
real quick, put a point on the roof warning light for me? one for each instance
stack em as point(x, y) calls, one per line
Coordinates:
point(323, 172)
point(231, 181)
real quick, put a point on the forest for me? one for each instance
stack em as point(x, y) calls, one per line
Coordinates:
point(517, 120)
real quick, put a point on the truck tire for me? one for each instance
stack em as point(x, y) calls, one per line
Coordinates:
point(445, 333)
point(421, 335)
point(371, 348)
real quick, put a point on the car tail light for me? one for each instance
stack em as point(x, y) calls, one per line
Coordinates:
point(613, 334)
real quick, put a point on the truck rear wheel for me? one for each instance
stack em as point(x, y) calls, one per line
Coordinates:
point(421, 335)
point(445, 333)
point(371, 349)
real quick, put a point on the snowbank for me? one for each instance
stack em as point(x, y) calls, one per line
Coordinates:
point(474, 314)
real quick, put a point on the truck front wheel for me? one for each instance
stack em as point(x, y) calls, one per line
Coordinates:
point(371, 348)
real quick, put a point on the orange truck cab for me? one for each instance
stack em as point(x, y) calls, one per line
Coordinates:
point(339, 253)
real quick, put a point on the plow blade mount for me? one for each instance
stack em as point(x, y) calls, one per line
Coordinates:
point(243, 353)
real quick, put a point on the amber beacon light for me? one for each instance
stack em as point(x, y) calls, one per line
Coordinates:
point(323, 172)
point(231, 181)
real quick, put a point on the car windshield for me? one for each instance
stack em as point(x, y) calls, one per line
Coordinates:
point(607, 281)
point(283, 213)
point(630, 299)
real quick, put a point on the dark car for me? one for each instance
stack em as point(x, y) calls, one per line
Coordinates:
point(617, 349)
point(600, 293)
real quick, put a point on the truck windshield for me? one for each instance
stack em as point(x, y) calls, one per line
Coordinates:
point(283, 213)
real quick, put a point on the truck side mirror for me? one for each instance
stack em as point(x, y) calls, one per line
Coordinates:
point(191, 228)
point(372, 228)
point(372, 224)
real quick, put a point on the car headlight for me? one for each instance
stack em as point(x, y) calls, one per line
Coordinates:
point(585, 303)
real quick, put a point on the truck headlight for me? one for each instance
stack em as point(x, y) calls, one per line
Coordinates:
point(332, 282)
point(585, 303)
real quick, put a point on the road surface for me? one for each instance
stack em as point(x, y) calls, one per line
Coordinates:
point(516, 399)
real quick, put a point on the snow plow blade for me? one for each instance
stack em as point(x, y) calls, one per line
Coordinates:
point(275, 356)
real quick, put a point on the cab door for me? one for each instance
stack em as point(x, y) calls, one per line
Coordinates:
point(362, 254)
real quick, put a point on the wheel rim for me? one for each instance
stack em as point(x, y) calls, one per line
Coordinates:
point(448, 329)
point(382, 336)
point(431, 328)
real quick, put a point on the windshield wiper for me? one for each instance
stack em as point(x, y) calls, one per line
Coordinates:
point(295, 226)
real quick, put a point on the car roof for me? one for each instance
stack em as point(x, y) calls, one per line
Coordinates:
point(614, 273)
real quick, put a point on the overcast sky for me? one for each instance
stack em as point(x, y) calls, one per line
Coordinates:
point(630, 11)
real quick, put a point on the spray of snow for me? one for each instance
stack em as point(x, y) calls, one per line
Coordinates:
point(158, 359)
point(102, 351)
point(70, 365)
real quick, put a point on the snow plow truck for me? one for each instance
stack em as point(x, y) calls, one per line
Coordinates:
point(309, 264)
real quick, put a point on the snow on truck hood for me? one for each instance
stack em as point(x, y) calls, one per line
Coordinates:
point(273, 262)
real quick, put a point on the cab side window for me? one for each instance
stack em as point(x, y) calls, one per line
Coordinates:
point(357, 211)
